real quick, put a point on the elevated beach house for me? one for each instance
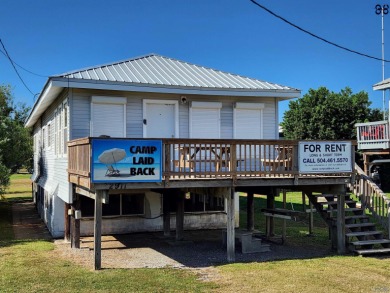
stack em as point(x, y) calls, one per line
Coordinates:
point(157, 144)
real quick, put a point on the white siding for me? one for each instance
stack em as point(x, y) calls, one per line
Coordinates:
point(134, 117)
point(54, 178)
point(53, 174)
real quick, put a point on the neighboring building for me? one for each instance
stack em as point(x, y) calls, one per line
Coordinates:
point(146, 97)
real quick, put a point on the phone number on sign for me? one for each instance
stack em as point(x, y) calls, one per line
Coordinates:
point(325, 160)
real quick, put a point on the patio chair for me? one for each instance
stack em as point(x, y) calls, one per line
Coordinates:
point(111, 171)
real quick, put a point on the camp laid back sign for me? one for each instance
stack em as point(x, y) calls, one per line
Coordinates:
point(125, 160)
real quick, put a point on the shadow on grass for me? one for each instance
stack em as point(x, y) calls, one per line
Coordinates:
point(201, 248)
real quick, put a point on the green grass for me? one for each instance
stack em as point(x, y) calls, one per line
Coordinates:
point(297, 229)
point(329, 274)
point(32, 266)
point(20, 188)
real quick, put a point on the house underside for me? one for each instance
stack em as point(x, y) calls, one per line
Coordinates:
point(193, 189)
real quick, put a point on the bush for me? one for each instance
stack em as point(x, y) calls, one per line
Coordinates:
point(4, 178)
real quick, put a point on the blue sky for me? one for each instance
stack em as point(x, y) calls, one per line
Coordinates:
point(51, 37)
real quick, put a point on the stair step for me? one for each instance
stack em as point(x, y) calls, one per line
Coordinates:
point(347, 196)
point(372, 251)
point(359, 225)
point(363, 233)
point(371, 242)
point(357, 217)
point(334, 202)
point(325, 195)
point(346, 210)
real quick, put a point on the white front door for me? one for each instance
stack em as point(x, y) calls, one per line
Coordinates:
point(160, 119)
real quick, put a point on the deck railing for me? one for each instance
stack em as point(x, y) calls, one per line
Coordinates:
point(200, 158)
point(373, 135)
point(373, 198)
point(207, 159)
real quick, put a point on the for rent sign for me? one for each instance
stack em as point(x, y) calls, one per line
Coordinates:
point(325, 157)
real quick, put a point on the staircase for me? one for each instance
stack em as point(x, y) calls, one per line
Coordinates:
point(361, 236)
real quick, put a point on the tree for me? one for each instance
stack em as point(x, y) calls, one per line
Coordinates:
point(15, 139)
point(4, 178)
point(322, 114)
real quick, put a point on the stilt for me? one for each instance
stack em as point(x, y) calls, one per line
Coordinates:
point(166, 215)
point(179, 216)
point(230, 227)
point(98, 229)
point(270, 220)
point(341, 224)
point(250, 212)
point(75, 223)
point(67, 223)
point(311, 219)
point(284, 227)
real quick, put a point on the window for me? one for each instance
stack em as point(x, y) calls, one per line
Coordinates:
point(205, 119)
point(119, 205)
point(248, 123)
point(248, 120)
point(199, 203)
point(61, 134)
point(59, 123)
point(44, 137)
point(203, 203)
point(55, 131)
point(65, 127)
point(49, 135)
point(108, 116)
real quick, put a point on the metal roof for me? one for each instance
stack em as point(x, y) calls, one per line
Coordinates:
point(382, 85)
point(157, 70)
point(157, 74)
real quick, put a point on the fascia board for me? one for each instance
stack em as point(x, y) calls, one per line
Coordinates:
point(383, 85)
point(45, 99)
point(104, 85)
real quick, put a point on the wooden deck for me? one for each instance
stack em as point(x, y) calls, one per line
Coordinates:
point(211, 163)
point(373, 135)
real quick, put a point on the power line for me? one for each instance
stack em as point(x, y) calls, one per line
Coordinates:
point(13, 65)
point(21, 67)
point(316, 36)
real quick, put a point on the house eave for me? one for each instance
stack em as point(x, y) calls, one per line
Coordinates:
point(56, 84)
point(45, 99)
point(152, 88)
point(382, 85)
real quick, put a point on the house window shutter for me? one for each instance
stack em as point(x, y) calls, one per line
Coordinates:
point(108, 119)
point(205, 120)
point(248, 120)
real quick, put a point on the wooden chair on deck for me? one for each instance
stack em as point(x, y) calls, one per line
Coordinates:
point(185, 160)
point(282, 160)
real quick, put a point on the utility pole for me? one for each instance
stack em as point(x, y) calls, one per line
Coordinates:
point(383, 10)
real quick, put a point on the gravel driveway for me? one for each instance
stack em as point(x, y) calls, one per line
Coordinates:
point(200, 249)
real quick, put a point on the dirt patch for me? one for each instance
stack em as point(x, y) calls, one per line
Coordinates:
point(26, 222)
point(201, 252)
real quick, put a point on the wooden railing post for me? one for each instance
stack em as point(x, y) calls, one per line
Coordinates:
point(387, 216)
point(233, 160)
